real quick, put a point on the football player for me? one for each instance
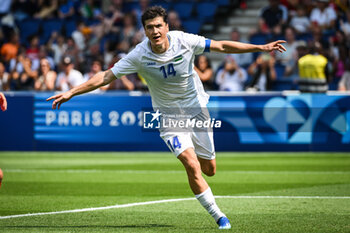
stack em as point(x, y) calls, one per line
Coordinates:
point(165, 60)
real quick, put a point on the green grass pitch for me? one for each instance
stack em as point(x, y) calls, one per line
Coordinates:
point(263, 192)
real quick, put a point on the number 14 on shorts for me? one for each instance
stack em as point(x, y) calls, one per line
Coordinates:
point(174, 144)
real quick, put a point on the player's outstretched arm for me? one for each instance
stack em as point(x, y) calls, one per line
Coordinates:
point(98, 80)
point(238, 47)
point(3, 102)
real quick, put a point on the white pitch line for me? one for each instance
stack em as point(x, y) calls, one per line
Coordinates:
point(168, 201)
point(165, 171)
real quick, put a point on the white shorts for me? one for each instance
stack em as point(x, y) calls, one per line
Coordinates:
point(201, 140)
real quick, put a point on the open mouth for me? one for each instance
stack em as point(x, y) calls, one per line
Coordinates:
point(156, 37)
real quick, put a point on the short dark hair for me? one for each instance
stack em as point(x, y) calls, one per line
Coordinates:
point(153, 12)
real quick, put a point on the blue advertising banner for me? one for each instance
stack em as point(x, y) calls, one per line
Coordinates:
point(114, 121)
point(93, 122)
point(316, 122)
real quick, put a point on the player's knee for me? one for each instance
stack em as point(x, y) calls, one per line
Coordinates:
point(210, 171)
point(193, 166)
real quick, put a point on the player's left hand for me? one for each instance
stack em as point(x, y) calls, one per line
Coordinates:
point(60, 99)
point(3, 102)
point(276, 45)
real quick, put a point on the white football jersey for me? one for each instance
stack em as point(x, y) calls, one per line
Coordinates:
point(172, 81)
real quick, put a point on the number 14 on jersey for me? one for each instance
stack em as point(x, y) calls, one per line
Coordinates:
point(168, 70)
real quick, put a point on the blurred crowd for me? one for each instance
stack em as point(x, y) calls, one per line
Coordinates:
point(317, 35)
point(93, 35)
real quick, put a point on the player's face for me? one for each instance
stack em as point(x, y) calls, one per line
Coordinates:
point(156, 30)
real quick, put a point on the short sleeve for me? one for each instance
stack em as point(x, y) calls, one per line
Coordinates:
point(126, 65)
point(198, 44)
point(332, 14)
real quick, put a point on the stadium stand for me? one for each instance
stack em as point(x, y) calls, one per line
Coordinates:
point(213, 19)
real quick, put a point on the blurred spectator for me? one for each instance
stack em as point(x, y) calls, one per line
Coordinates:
point(5, 7)
point(263, 72)
point(339, 64)
point(339, 54)
point(203, 68)
point(69, 77)
point(292, 6)
point(43, 54)
point(66, 9)
point(23, 9)
point(23, 79)
point(143, 5)
point(337, 43)
point(293, 71)
point(9, 50)
point(344, 83)
point(317, 36)
point(313, 71)
point(96, 67)
point(323, 16)
point(242, 59)
point(47, 77)
point(288, 58)
point(46, 9)
point(73, 51)
point(78, 34)
point(58, 46)
point(345, 24)
point(90, 9)
point(174, 21)
point(300, 22)
point(128, 29)
point(231, 77)
point(33, 49)
point(273, 17)
point(4, 78)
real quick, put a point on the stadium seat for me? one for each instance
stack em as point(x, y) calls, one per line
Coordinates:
point(280, 70)
point(206, 11)
point(28, 28)
point(50, 26)
point(282, 85)
point(184, 9)
point(70, 26)
point(258, 38)
point(166, 5)
point(223, 2)
point(304, 37)
point(192, 26)
point(130, 6)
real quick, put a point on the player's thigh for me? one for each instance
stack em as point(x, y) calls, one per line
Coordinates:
point(203, 138)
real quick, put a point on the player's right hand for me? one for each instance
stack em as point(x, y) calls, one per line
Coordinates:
point(60, 99)
point(3, 102)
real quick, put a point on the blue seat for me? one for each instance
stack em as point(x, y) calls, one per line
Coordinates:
point(130, 6)
point(166, 5)
point(282, 86)
point(27, 28)
point(223, 2)
point(258, 38)
point(192, 26)
point(184, 9)
point(305, 37)
point(206, 11)
point(50, 26)
point(70, 26)
point(280, 69)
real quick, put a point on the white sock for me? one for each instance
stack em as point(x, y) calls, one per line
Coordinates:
point(207, 200)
